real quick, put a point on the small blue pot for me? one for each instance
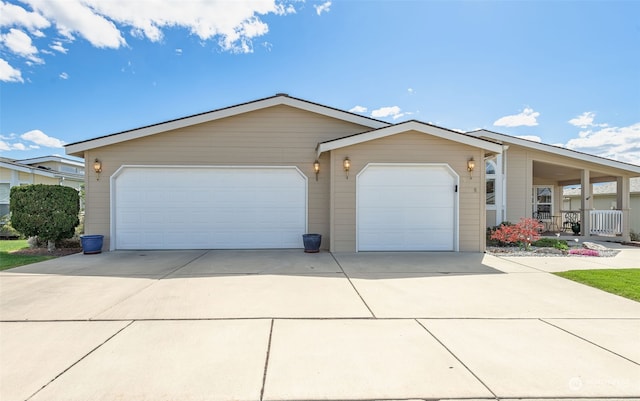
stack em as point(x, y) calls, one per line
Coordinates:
point(91, 244)
point(311, 242)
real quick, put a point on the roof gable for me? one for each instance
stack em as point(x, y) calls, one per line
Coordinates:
point(78, 148)
point(412, 125)
point(556, 150)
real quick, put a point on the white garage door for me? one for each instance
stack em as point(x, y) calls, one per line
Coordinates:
point(407, 207)
point(208, 207)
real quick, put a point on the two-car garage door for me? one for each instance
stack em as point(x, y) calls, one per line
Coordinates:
point(208, 207)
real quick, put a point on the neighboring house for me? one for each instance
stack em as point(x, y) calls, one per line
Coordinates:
point(604, 197)
point(50, 170)
point(261, 174)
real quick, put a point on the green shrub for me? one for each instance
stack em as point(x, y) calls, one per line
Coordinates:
point(634, 236)
point(49, 212)
point(6, 229)
point(551, 243)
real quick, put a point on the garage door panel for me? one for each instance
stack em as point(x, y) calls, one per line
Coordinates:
point(406, 207)
point(230, 208)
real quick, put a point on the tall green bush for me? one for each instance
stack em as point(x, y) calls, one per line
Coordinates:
point(49, 212)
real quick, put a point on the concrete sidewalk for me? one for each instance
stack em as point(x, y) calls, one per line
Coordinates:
point(284, 325)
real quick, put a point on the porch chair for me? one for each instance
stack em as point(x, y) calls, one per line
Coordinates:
point(570, 218)
point(544, 218)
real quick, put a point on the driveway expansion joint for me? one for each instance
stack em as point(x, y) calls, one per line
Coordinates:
point(352, 285)
point(590, 342)
point(80, 360)
point(266, 361)
point(457, 359)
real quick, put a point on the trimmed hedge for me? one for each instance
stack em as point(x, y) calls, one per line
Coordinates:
point(49, 212)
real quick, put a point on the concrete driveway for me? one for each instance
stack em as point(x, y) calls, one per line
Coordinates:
point(284, 325)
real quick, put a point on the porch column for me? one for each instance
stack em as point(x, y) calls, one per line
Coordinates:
point(623, 199)
point(586, 201)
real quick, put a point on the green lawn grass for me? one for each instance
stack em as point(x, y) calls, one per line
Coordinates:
point(9, 260)
point(623, 282)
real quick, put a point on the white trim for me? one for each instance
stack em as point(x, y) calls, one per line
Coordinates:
point(57, 159)
point(30, 170)
point(409, 126)
point(112, 194)
point(557, 150)
point(79, 147)
point(456, 213)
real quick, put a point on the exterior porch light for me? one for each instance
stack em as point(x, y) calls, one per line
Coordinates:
point(97, 167)
point(346, 164)
point(316, 168)
point(471, 165)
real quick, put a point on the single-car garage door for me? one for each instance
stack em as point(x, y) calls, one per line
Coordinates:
point(208, 207)
point(407, 207)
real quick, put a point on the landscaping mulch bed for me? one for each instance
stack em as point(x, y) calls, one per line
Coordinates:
point(44, 252)
point(544, 252)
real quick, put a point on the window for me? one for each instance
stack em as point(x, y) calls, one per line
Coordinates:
point(5, 190)
point(490, 173)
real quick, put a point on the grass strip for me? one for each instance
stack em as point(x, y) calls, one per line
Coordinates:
point(9, 260)
point(623, 282)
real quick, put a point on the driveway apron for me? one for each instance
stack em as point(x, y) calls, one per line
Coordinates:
point(285, 325)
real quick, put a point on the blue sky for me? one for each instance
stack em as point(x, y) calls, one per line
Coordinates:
point(565, 73)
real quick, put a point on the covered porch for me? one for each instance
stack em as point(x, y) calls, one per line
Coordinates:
point(580, 219)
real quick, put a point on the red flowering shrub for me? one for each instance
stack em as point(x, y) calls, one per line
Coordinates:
point(523, 233)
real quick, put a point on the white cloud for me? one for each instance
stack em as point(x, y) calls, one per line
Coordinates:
point(232, 24)
point(235, 23)
point(585, 120)
point(14, 15)
point(6, 146)
point(533, 138)
point(358, 109)
point(40, 138)
point(8, 73)
point(619, 143)
point(59, 47)
point(20, 43)
point(179, 52)
point(393, 111)
point(411, 91)
point(526, 118)
point(75, 16)
point(64, 75)
point(324, 7)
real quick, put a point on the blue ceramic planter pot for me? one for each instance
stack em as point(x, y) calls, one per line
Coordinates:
point(91, 244)
point(311, 242)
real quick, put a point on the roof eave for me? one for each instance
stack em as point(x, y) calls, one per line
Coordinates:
point(631, 168)
point(409, 126)
point(78, 148)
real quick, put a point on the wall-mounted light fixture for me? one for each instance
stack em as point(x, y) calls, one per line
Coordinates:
point(346, 164)
point(97, 167)
point(471, 165)
point(316, 168)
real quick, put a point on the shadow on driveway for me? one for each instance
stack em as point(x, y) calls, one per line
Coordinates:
point(206, 263)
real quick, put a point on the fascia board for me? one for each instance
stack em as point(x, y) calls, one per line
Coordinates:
point(78, 148)
point(543, 147)
point(28, 170)
point(408, 126)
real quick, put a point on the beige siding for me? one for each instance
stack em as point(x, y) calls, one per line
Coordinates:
point(277, 136)
point(519, 184)
point(410, 147)
point(5, 174)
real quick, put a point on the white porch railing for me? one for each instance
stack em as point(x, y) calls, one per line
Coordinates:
point(605, 222)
